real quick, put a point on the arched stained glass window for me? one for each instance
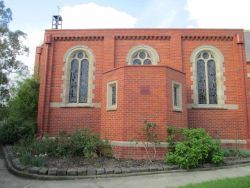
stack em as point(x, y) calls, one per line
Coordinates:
point(206, 78)
point(142, 55)
point(79, 74)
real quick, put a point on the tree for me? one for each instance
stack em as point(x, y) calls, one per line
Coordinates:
point(21, 121)
point(11, 46)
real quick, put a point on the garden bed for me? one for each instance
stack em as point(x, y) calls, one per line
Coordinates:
point(77, 167)
point(99, 162)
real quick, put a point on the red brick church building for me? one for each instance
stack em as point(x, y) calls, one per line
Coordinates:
point(112, 80)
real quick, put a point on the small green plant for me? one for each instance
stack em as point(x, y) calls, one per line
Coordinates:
point(231, 152)
point(29, 159)
point(104, 149)
point(151, 139)
point(171, 138)
point(82, 143)
point(197, 147)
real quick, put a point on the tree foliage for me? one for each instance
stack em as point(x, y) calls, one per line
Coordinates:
point(21, 113)
point(11, 46)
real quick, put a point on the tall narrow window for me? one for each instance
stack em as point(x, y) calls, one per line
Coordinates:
point(112, 95)
point(206, 78)
point(177, 96)
point(79, 76)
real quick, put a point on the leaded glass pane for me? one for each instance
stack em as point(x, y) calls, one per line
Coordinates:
point(136, 62)
point(84, 74)
point(205, 55)
point(201, 82)
point(135, 55)
point(113, 99)
point(212, 87)
point(80, 55)
point(73, 55)
point(73, 81)
point(147, 62)
point(142, 55)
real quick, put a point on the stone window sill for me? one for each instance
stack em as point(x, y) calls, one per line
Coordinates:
point(112, 108)
point(177, 109)
point(212, 106)
point(75, 105)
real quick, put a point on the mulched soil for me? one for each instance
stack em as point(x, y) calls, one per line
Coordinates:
point(100, 162)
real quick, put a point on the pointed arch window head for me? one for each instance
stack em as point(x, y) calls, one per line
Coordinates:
point(142, 55)
point(208, 81)
point(78, 76)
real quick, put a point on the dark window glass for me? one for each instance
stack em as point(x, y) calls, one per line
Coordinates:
point(201, 82)
point(147, 62)
point(84, 75)
point(73, 81)
point(113, 95)
point(80, 55)
point(142, 55)
point(212, 87)
point(205, 55)
point(175, 95)
point(136, 62)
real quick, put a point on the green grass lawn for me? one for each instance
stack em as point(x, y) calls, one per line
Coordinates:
point(241, 182)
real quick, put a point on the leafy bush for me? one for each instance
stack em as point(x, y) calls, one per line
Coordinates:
point(104, 149)
point(12, 131)
point(29, 159)
point(231, 152)
point(171, 138)
point(82, 143)
point(196, 148)
point(21, 113)
point(244, 153)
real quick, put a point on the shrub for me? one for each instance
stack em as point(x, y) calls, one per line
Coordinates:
point(244, 153)
point(171, 138)
point(21, 113)
point(196, 148)
point(82, 143)
point(104, 149)
point(231, 152)
point(29, 159)
point(11, 131)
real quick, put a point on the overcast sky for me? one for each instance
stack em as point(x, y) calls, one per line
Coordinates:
point(33, 16)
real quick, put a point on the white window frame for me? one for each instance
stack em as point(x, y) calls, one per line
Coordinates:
point(109, 95)
point(177, 107)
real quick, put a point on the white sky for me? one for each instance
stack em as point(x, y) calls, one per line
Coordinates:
point(196, 13)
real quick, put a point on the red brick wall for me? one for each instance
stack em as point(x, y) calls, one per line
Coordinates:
point(112, 121)
point(226, 124)
point(144, 92)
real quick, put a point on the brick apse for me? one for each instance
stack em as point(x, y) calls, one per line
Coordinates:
point(111, 80)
